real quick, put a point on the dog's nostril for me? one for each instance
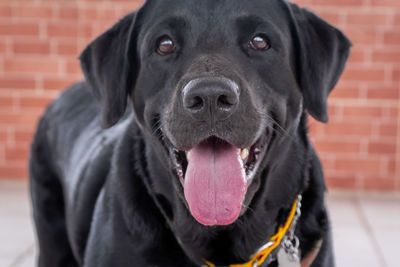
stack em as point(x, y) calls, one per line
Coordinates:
point(224, 101)
point(195, 103)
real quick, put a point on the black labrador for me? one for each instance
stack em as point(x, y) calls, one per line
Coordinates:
point(187, 143)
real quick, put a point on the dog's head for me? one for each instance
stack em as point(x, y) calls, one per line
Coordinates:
point(212, 82)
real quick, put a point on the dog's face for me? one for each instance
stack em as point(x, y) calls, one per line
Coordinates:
point(213, 82)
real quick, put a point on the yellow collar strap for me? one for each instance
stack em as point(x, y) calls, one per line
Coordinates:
point(274, 241)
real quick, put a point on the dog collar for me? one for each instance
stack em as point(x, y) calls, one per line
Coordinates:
point(262, 254)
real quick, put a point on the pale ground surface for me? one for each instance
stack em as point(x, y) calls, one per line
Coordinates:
point(366, 228)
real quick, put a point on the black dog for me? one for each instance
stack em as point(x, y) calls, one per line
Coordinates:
point(208, 148)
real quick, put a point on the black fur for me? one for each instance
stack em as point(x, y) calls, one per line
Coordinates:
point(110, 196)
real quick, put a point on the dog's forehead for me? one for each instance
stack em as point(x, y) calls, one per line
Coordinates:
point(214, 11)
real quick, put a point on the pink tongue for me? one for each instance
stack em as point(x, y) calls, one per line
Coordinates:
point(215, 183)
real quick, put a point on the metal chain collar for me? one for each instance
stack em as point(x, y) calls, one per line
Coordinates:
point(288, 254)
point(289, 244)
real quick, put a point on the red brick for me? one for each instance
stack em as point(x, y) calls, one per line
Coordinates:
point(3, 136)
point(68, 13)
point(19, 28)
point(341, 182)
point(57, 84)
point(359, 165)
point(99, 13)
point(338, 3)
point(37, 12)
point(31, 47)
point(132, 3)
point(101, 26)
point(392, 166)
point(364, 74)
point(396, 75)
point(16, 153)
point(334, 110)
point(386, 56)
point(386, 3)
point(7, 102)
point(357, 56)
point(381, 148)
point(347, 128)
point(326, 145)
point(3, 47)
point(19, 119)
point(302, 2)
point(126, 9)
point(362, 111)
point(72, 30)
point(31, 65)
point(331, 17)
point(315, 128)
point(73, 67)
point(21, 136)
point(62, 30)
point(34, 102)
point(93, 1)
point(383, 92)
point(18, 172)
point(393, 112)
point(397, 18)
point(392, 37)
point(5, 11)
point(327, 162)
point(369, 19)
point(17, 83)
point(358, 36)
point(345, 92)
point(63, 2)
point(388, 130)
point(379, 184)
point(68, 49)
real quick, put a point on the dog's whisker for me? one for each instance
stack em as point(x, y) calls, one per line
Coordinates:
point(248, 208)
point(270, 118)
point(156, 130)
point(278, 128)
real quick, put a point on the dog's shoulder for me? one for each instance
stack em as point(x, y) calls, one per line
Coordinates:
point(62, 120)
point(82, 153)
point(71, 129)
point(72, 106)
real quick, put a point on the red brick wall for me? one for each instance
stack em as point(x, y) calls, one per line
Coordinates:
point(360, 149)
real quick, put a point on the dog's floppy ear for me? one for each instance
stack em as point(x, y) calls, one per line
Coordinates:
point(321, 52)
point(109, 68)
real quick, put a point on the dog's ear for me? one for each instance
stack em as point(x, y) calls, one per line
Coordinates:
point(110, 68)
point(321, 52)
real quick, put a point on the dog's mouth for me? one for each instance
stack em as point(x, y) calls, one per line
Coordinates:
point(250, 157)
point(215, 174)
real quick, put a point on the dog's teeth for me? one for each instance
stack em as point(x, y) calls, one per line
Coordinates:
point(244, 154)
point(188, 155)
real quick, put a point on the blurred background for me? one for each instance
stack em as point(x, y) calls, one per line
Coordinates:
point(40, 41)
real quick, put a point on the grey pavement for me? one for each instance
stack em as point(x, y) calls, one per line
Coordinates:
point(366, 228)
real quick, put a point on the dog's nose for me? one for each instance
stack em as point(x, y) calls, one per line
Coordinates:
point(210, 99)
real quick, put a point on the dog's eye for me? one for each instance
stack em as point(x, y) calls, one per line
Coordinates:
point(259, 42)
point(165, 46)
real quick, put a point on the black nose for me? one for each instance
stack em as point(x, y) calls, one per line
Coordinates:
point(210, 99)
